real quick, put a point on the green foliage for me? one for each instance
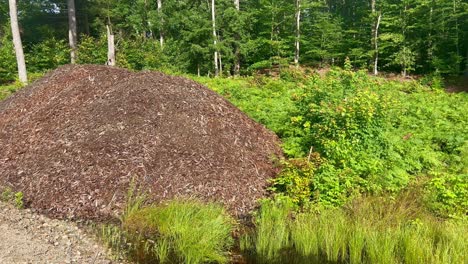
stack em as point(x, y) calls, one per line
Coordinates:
point(176, 232)
point(295, 180)
point(48, 55)
point(422, 36)
point(92, 50)
point(377, 135)
point(448, 194)
point(19, 200)
point(7, 60)
point(405, 58)
point(371, 134)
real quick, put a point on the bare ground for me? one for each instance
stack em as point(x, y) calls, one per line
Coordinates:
point(27, 237)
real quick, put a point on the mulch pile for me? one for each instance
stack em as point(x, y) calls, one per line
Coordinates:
point(74, 140)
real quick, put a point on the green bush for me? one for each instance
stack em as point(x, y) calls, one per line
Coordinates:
point(92, 50)
point(8, 68)
point(48, 55)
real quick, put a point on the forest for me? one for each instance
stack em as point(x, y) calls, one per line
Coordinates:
point(239, 37)
point(373, 139)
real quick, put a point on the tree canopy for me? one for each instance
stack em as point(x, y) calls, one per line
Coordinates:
point(419, 36)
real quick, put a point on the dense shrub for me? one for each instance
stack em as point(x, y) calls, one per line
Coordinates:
point(92, 50)
point(48, 55)
point(8, 60)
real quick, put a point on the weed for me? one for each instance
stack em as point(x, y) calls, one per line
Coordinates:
point(19, 200)
point(7, 194)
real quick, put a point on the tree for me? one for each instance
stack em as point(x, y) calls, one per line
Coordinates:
point(405, 59)
point(298, 32)
point(237, 37)
point(375, 35)
point(72, 36)
point(161, 22)
point(17, 42)
point(110, 47)
point(215, 38)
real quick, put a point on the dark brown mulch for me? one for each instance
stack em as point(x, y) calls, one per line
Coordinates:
point(74, 140)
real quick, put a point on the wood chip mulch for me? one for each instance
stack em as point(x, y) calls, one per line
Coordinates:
point(74, 140)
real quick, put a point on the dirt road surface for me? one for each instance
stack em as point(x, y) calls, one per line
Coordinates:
point(27, 237)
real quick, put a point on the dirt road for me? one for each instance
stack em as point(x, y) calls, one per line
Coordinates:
point(26, 237)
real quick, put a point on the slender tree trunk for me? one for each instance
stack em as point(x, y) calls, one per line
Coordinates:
point(457, 46)
point(220, 64)
point(161, 21)
point(298, 32)
point(237, 49)
point(23, 77)
point(375, 35)
point(86, 23)
point(376, 45)
point(110, 47)
point(374, 38)
point(430, 48)
point(213, 17)
point(466, 63)
point(72, 30)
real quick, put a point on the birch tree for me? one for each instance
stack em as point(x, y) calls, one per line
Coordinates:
point(375, 35)
point(215, 37)
point(23, 77)
point(110, 47)
point(298, 32)
point(161, 21)
point(72, 30)
point(237, 36)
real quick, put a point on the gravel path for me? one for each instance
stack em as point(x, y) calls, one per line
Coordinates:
point(27, 237)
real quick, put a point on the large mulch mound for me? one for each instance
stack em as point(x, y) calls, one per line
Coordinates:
point(74, 141)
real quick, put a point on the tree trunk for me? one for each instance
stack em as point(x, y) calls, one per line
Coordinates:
point(375, 35)
point(23, 77)
point(110, 47)
point(86, 23)
point(213, 17)
point(161, 21)
point(466, 63)
point(72, 30)
point(220, 64)
point(374, 38)
point(298, 32)
point(237, 50)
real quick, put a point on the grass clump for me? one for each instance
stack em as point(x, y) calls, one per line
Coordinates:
point(177, 232)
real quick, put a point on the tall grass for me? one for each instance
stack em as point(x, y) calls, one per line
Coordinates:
point(371, 230)
point(178, 232)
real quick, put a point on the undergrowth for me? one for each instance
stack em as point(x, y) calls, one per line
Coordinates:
point(362, 135)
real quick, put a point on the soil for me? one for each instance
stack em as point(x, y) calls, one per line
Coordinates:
point(26, 237)
point(74, 140)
